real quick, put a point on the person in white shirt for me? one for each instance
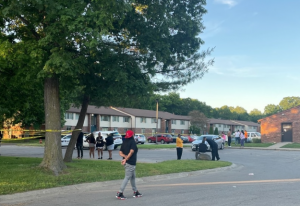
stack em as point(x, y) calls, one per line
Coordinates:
point(242, 136)
point(237, 137)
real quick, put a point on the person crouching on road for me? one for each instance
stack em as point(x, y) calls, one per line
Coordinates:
point(179, 146)
point(128, 151)
point(213, 147)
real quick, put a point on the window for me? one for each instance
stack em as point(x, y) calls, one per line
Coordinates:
point(125, 119)
point(143, 131)
point(153, 131)
point(182, 131)
point(143, 119)
point(115, 118)
point(125, 130)
point(153, 120)
point(182, 122)
point(173, 131)
point(104, 128)
point(76, 116)
point(173, 121)
point(69, 127)
point(68, 115)
point(105, 118)
point(116, 129)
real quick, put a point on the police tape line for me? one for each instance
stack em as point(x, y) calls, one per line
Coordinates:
point(47, 130)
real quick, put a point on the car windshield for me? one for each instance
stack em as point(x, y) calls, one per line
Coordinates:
point(116, 134)
point(207, 137)
point(199, 138)
point(168, 135)
point(258, 134)
point(142, 135)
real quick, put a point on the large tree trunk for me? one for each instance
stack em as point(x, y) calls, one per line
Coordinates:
point(53, 154)
point(70, 148)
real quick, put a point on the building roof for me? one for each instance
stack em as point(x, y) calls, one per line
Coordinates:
point(152, 113)
point(287, 110)
point(232, 122)
point(98, 110)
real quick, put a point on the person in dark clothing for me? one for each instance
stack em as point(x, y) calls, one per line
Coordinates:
point(110, 145)
point(214, 148)
point(99, 145)
point(79, 146)
point(128, 151)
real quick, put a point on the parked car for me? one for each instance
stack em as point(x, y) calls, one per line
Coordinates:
point(191, 138)
point(140, 138)
point(185, 139)
point(216, 138)
point(253, 135)
point(116, 135)
point(162, 138)
point(65, 140)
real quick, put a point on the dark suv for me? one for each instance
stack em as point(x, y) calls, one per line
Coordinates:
point(162, 138)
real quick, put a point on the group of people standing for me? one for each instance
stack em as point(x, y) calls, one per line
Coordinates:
point(240, 137)
point(98, 142)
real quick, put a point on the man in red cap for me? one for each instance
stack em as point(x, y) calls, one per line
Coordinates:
point(128, 151)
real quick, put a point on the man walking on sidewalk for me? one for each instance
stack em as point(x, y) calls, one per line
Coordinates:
point(229, 137)
point(128, 151)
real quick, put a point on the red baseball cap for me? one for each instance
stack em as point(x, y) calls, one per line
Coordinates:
point(129, 134)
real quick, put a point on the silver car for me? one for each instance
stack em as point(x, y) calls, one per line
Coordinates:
point(140, 138)
point(216, 138)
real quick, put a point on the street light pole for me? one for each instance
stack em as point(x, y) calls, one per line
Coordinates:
point(156, 120)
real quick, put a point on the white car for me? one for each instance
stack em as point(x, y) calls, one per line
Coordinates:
point(140, 138)
point(253, 135)
point(116, 135)
point(65, 140)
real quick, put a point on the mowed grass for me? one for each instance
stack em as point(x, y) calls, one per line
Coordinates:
point(292, 145)
point(158, 146)
point(24, 142)
point(20, 174)
point(252, 145)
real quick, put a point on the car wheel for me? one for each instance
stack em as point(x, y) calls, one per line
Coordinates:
point(168, 142)
point(149, 140)
point(222, 146)
point(162, 141)
point(142, 142)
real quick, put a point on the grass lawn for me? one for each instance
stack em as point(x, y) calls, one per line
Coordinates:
point(253, 145)
point(20, 174)
point(158, 146)
point(292, 145)
point(24, 142)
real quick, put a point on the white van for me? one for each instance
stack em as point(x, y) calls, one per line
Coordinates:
point(253, 135)
point(116, 135)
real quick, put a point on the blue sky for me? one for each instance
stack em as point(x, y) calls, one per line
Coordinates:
point(256, 53)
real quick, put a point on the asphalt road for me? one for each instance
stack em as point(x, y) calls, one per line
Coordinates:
point(257, 177)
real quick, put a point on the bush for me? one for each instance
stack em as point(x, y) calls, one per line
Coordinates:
point(255, 140)
point(211, 130)
point(216, 132)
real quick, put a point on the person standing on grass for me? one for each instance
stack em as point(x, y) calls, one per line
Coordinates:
point(246, 136)
point(214, 148)
point(229, 138)
point(128, 151)
point(179, 146)
point(99, 145)
point(92, 142)
point(79, 146)
point(237, 137)
point(110, 145)
point(242, 136)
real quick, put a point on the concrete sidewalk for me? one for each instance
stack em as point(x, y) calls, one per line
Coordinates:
point(276, 146)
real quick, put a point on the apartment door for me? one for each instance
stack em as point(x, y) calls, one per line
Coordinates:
point(167, 126)
point(93, 123)
point(286, 132)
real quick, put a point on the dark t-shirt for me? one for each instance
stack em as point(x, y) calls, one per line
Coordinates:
point(99, 141)
point(212, 143)
point(127, 145)
point(80, 139)
point(109, 140)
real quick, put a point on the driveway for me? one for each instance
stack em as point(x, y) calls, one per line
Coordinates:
point(257, 178)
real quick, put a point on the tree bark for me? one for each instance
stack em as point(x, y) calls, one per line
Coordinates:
point(53, 153)
point(78, 128)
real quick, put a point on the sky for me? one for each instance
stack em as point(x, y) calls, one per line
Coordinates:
point(257, 44)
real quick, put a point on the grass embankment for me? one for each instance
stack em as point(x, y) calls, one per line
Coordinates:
point(292, 145)
point(158, 146)
point(20, 174)
point(24, 142)
point(252, 145)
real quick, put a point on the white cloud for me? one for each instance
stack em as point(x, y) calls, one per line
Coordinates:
point(211, 29)
point(230, 3)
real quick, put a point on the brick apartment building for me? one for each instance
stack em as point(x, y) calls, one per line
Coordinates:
point(281, 127)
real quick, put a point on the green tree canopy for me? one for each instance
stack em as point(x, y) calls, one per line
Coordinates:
point(289, 102)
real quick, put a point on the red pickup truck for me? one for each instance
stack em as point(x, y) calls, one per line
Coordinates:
point(162, 138)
